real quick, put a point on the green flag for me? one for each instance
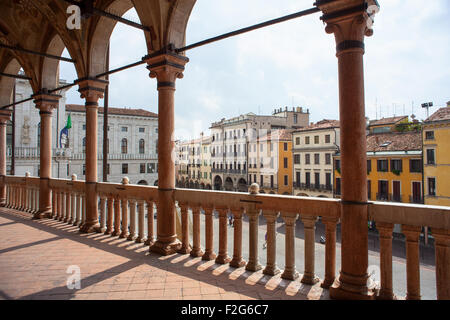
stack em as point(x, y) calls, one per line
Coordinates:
point(69, 122)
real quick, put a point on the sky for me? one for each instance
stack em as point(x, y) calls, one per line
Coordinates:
point(407, 63)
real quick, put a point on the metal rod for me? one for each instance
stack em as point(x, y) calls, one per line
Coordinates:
point(120, 69)
point(13, 133)
point(17, 76)
point(105, 122)
point(251, 28)
point(120, 19)
point(36, 53)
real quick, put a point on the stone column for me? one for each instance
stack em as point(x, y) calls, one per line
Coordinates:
point(271, 268)
point(222, 257)
point(45, 102)
point(385, 230)
point(110, 214)
point(330, 251)
point(102, 228)
point(150, 236)
point(237, 260)
point(185, 247)
point(412, 234)
point(290, 272)
point(196, 249)
point(116, 231)
point(348, 21)
point(166, 66)
point(92, 90)
point(132, 236)
point(442, 244)
point(309, 224)
point(253, 216)
point(141, 221)
point(209, 235)
point(5, 115)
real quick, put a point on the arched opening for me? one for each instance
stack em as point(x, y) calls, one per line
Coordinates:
point(302, 195)
point(229, 184)
point(208, 187)
point(143, 182)
point(191, 184)
point(217, 183)
point(262, 191)
point(286, 193)
point(202, 185)
point(271, 192)
point(196, 185)
point(156, 183)
point(242, 185)
point(322, 196)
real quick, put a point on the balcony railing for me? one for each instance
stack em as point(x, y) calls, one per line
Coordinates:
point(118, 156)
point(123, 203)
point(34, 153)
point(313, 187)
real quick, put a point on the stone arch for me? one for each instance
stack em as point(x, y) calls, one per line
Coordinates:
point(242, 185)
point(143, 182)
point(262, 191)
point(271, 192)
point(208, 187)
point(322, 196)
point(196, 185)
point(7, 83)
point(217, 183)
point(302, 195)
point(229, 186)
point(191, 184)
point(49, 73)
point(156, 183)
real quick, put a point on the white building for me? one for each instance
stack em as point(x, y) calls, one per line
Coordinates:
point(132, 133)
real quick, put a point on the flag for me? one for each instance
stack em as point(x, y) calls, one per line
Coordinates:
point(69, 122)
point(65, 133)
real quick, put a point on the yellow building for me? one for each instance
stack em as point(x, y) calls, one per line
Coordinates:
point(386, 125)
point(436, 151)
point(394, 167)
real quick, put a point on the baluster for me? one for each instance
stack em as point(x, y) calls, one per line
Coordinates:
point(309, 226)
point(185, 247)
point(102, 208)
point(7, 196)
point(116, 231)
point(442, 245)
point(124, 232)
point(209, 234)
point(141, 222)
point(22, 197)
point(385, 230)
point(196, 247)
point(63, 206)
point(412, 234)
point(289, 273)
point(222, 257)
point(253, 260)
point(83, 209)
point(73, 200)
point(132, 236)
point(150, 233)
point(37, 199)
point(30, 200)
point(330, 251)
point(68, 207)
point(109, 222)
point(77, 221)
point(271, 268)
point(14, 197)
point(54, 209)
point(60, 200)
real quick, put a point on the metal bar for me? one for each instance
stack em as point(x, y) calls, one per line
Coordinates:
point(105, 122)
point(120, 69)
point(120, 19)
point(17, 76)
point(13, 134)
point(251, 28)
point(36, 53)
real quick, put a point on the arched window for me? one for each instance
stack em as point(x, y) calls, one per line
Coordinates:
point(141, 146)
point(84, 145)
point(124, 145)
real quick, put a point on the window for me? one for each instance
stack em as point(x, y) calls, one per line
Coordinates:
point(396, 165)
point(68, 169)
point(151, 168)
point(369, 166)
point(297, 140)
point(141, 129)
point(337, 190)
point(429, 135)
point(308, 179)
point(124, 146)
point(382, 166)
point(307, 158)
point(316, 158)
point(297, 178)
point(316, 139)
point(84, 127)
point(295, 118)
point(107, 168)
point(327, 158)
point(306, 140)
point(328, 180)
point(141, 146)
point(327, 138)
point(83, 144)
point(369, 189)
point(296, 159)
point(142, 168)
point(107, 145)
point(317, 180)
point(271, 181)
point(124, 129)
point(261, 180)
point(430, 156)
point(285, 163)
point(432, 186)
point(124, 167)
point(285, 180)
point(285, 147)
point(337, 164)
point(415, 165)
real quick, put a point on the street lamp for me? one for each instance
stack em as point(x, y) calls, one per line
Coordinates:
point(427, 105)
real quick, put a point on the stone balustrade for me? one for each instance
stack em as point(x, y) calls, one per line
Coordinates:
point(122, 209)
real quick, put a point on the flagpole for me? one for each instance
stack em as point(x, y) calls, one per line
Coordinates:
point(105, 122)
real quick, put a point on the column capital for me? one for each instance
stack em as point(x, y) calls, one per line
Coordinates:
point(270, 216)
point(5, 115)
point(166, 66)
point(411, 233)
point(91, 89)
point(289, 218)
point(308, 221)
point(349, 20)
point(45, 101)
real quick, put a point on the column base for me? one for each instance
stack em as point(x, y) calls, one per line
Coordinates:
point(164, 248)
point(70, 221)
point(76, 223)
point(208, 256)
point(131, 237)
point(124, 235)
point(184, 250)
point(237, 263)
point(149, 242)
point(100, 230)
point(327, 283)
point(386, 296)
point(290, 274)
point(196, 253)
point(138, 239)
point(271, 271)
point(107, 231)
point(89, 228)
point(41, 215)
point(347, 291)
point(222, 259)
point(253, 266)
point(309, 279)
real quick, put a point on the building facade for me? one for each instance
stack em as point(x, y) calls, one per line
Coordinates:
point(231, 139)
point(132, 133)
point(436, 152)
point(313, 149)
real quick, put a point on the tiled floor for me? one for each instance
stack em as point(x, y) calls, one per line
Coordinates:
point(35, 256)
